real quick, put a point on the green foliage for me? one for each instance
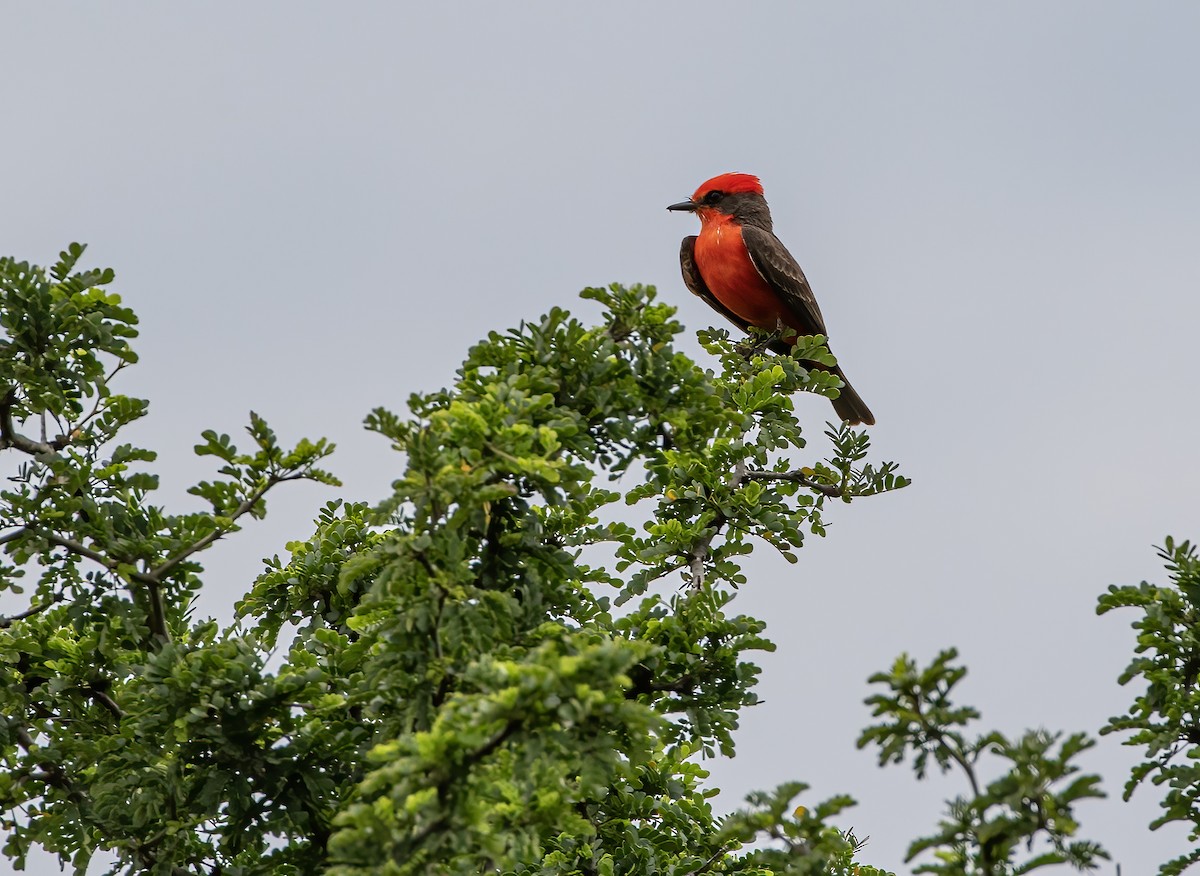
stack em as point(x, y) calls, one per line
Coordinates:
point(804, 843)
point(1165, 717)
point(106, 683)
point(1031, 801)
point(439, 684)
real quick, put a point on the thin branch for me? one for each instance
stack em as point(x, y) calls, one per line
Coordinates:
point(158, 615)
point(100, 398)
point(54, 775)
point(796, 477)
point(200, 544)
point(418, 839)
point(153, 578)
point(712, 860)
point(10, 437)
point(698, 555)
point(83, 550)
point(939, 738)
point(158, 611)
point(14, 535)
point(105, 700)
point(6, 622)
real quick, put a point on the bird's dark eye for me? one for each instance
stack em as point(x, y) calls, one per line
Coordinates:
point(713, 197)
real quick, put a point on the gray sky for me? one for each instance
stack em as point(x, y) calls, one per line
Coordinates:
point(315, 212)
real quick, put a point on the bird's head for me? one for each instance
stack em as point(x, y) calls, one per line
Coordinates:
point(737, 196)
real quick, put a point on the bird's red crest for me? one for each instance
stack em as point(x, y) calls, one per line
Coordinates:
point(730, 184)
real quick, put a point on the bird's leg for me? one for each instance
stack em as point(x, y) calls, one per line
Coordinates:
point(751, 348)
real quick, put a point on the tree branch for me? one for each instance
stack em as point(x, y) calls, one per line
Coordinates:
point(10, 437)
point(939, 738)
point(153, 578)
point(157, 612)
point(105, 700)
point(6, 622)
point(200, 544)
point(796, 477)
point(697, 556)
point(54, 775)
point(14, 535)
point(101, 397)
point(418, 839)
point(712, 860)
point(83, 550)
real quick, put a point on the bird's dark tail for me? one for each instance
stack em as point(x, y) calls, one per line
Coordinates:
point(849, 404)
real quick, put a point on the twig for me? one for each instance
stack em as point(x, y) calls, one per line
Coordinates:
point(153, 578)
point(936, 734)
point(796, 477)
point(6, 622)
point(712, 860)
point(105, 700)
point(158, 616)
point(14, 535)
point(100, 398)
point(83, 550)
point(55, 776)
point(200, 544)
point(10, 437)
point(418, 839)
point(697, 556)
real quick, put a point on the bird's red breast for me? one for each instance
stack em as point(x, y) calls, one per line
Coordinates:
point(723, 262)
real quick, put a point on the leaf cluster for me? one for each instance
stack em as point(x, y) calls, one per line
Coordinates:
point(1164, 719)
point(1028, 805)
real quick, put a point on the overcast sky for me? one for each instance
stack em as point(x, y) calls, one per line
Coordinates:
point(316, 208)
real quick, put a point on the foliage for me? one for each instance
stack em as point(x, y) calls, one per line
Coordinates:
point(1165, 717)
point(453, 689)
point(1031, 801)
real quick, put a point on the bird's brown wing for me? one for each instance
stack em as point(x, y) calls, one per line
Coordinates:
point(780, 270)
point(694, 282)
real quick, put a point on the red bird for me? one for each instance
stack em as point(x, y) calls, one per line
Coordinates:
point(739, 267)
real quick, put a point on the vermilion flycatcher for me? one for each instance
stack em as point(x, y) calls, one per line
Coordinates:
point(739, 267)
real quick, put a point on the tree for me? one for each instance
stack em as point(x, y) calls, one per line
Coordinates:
point(1028, 806)
point(1165, 717)
point(505, 666)
point(491, 671)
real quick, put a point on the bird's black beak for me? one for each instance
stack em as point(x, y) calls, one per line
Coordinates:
point(684, 206)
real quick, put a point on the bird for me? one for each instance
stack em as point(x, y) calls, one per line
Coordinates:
point(742, 271)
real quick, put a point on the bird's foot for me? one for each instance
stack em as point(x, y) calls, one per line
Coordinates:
point(757, 344)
